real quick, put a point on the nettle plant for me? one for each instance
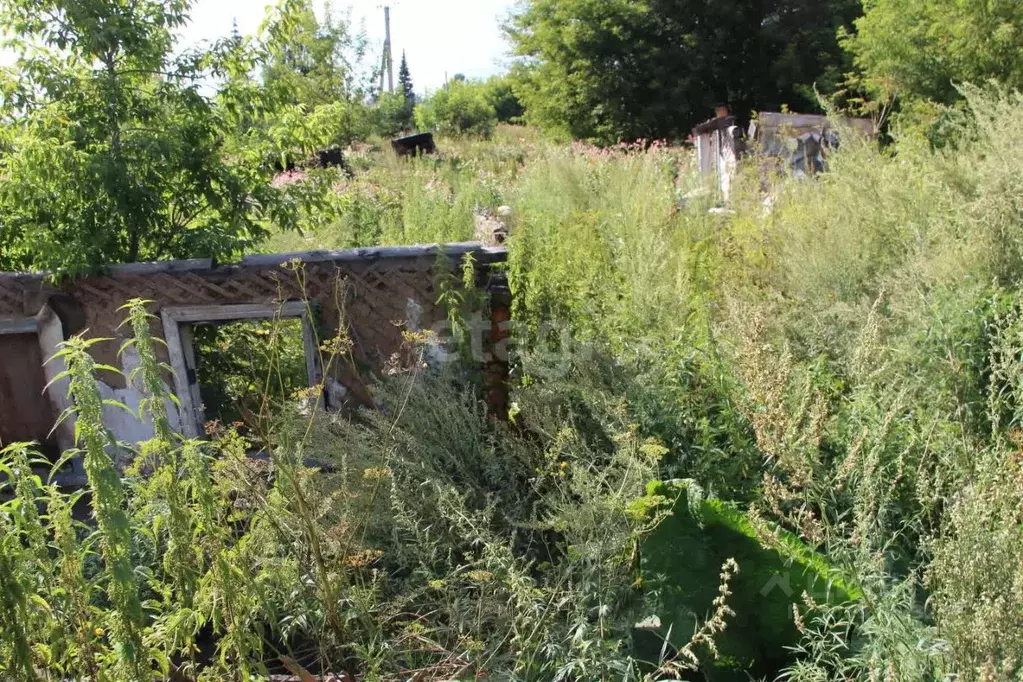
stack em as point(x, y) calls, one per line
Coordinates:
point(421, 540)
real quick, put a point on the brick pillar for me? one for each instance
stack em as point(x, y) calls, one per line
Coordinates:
point(496, 366)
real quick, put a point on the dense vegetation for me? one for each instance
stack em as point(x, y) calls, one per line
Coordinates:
point(611, 71)
point(608, 71)
point(914, 55)
point(837, 378)
point(779, 442)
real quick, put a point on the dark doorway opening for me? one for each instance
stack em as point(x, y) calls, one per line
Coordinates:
point(26, 414)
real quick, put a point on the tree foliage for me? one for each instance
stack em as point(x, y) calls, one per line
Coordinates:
point(608, 70)
point(918, 51)
point(312, 62)
point(395, 111)
point(507, 105)
point(112, 153)
point(115, 149)
point(462, 108)
point(313, 69)
point(405, 80)
point(392, 114)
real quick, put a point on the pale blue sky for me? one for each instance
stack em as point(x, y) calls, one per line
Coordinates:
point(439, 35)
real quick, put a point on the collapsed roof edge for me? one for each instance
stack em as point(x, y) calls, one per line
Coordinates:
point(488, 254)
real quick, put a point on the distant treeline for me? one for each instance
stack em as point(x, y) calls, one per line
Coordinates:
point(611, 70)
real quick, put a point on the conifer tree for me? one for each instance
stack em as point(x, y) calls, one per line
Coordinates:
point(405, 80)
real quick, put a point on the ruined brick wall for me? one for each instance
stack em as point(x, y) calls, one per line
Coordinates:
point(373, 293)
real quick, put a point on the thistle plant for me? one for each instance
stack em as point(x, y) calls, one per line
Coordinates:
point(166, 484)
point(108, 501)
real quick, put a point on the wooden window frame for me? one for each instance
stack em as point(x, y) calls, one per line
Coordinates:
point(177, 330)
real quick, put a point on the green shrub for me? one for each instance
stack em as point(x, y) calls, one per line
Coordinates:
point(501, 94)
point(249, 369)
point(460, 108)
point(396, 202)
point(393, 114)
point(432, 539)
point(975, 575)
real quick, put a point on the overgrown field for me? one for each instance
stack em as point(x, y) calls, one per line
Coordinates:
point(784, 442)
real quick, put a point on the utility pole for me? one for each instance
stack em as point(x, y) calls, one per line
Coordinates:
point(388, 60)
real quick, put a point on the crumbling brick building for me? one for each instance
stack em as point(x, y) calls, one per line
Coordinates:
point(369, 295)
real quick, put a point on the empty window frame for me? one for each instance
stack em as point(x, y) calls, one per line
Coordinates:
point(178, 323)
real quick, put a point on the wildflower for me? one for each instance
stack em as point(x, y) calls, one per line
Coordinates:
point(653, 450)
point(310, 393)
point(364, 558)
point(336, 346)
point(650, 623)
point(474, 645)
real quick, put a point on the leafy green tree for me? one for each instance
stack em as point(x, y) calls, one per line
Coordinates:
point(112, 152)
point(463, 108)
point(313, 64)
point(392, 114)
point(506, 103)
point(608, 70)
point(395, 111)
point(917, 50)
